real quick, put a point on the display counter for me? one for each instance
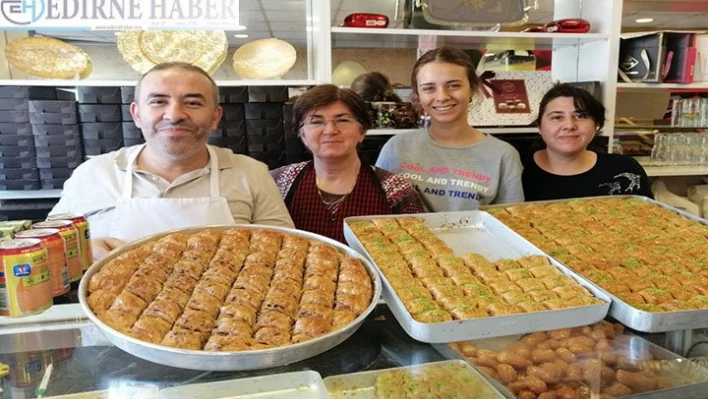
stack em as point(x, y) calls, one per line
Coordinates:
point(84, 361)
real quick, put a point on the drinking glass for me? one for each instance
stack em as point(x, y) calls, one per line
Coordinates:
point(690, 112)
point(658, 150)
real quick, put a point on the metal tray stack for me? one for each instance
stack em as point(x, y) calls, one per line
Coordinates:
point(636, 319)
point(476, 231)
point(222, 361)
point(690, 379)
point(362, 385)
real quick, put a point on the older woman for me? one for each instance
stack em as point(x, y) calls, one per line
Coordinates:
point(336, 184)
point(568, 119)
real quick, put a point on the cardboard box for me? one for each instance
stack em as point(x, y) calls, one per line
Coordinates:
point(642, 57)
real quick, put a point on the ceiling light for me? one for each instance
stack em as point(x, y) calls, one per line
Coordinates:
point(241, 35)
point(644, 20)
point(238, 28)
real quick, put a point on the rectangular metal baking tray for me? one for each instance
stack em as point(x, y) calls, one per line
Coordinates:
point(362, 385)
point(628, 315)
point(297, 385)
point(477, 231)
point(692, 377)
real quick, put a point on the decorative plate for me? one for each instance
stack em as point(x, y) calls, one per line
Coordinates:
point(264, 59)
point(48, 58)
point(142, 50)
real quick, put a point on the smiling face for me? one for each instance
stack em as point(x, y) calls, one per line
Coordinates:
point(331, 132)
point(564, 129)
point(176, 111)
point(444, 91)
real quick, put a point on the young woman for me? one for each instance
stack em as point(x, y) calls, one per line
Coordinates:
point(453, 165)
point(568, 119)
point(336, 184)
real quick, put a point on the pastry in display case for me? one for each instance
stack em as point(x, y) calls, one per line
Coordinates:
point(47, 57)
point(599, 360)
point(142, 50)
point(450, 379)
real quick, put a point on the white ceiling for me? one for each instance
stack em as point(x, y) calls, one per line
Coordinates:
point(286, 19)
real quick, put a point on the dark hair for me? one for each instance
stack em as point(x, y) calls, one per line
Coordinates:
point(323, 95)
point(374, 86)
point(582, 99)
point(448, 55)
point(178, 65)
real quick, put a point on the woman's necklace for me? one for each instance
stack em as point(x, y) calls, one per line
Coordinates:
point(334, 201)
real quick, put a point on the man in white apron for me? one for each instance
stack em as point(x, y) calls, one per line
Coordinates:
point(175, 180)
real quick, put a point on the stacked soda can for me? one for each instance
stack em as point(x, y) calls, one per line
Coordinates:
point(53, 243)
point(25, 287)
point(72, 249)
point(82, 226)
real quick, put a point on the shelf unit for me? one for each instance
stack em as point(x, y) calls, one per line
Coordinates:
point(696, 86)
point(576, 57)
point(346, 36)
point(29, 194)
point(665, 171)
point(110, 83)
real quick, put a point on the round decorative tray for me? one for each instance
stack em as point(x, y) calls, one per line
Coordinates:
point(145, 49)
point(48, 58)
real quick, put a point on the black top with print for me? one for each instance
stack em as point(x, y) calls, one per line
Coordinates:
point(613, 174)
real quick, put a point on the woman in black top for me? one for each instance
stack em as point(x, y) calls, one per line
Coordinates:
point(568, 119)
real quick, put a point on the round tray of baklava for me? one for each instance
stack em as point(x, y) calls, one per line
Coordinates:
point(239, 297)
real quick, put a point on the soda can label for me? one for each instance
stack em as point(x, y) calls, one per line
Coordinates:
point(24, 278)
point(52, 241)
point(72, 251)
point(82, 226)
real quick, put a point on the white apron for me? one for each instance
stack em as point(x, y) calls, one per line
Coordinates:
point(134, 218)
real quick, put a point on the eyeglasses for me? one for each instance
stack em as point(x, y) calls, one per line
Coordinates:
point(341, 123)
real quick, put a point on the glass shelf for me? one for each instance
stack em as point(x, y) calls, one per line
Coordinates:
point(659, 127)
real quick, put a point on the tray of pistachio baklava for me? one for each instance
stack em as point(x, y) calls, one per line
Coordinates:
point(454, 276)
point(649, 258)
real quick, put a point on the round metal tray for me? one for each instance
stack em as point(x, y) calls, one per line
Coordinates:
point(228, 361)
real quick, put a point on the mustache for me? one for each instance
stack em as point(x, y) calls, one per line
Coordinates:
point(181, 124)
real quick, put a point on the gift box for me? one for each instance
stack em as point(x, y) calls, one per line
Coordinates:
point(642, 57)
point(484, 111)
point(680, 58)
